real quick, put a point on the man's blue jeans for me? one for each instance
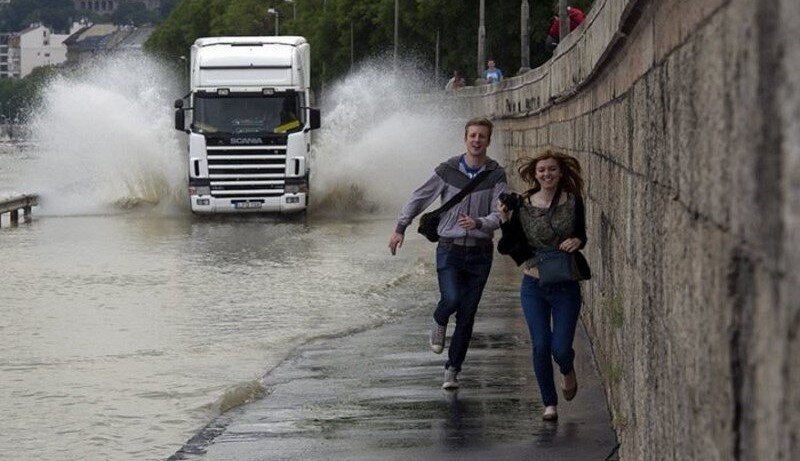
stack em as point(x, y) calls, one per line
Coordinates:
point(562, 303)
point(462, 275)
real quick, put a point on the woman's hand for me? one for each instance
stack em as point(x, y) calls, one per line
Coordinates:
point(570, 245)
point(505, 213)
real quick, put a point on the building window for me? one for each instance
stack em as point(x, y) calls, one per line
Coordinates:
point(103, 5)
point(110, 5)
point(97, 5)
point(83, 5)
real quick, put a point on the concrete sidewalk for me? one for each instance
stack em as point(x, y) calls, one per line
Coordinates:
point(376, 395)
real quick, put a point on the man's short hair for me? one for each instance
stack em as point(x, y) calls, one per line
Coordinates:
point(480, 121)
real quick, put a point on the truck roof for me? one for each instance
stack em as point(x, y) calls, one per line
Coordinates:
point(277, 40)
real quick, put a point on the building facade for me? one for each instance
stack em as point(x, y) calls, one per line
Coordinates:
point(23, 51)
point(109, 6)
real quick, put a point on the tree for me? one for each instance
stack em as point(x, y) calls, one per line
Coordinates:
point(56, 14)
point(134, 13)
point(327, 24)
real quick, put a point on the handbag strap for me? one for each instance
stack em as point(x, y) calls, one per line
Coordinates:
point(462, 193)
point(550, 211)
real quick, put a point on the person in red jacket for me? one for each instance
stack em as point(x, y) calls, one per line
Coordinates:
point(576, 17)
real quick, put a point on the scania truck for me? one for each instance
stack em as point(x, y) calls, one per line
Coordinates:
point(249, 123)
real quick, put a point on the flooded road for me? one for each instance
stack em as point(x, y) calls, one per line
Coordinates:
point(126, 323)
point(123, 335)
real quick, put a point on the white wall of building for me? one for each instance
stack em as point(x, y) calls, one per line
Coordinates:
point(39, 47)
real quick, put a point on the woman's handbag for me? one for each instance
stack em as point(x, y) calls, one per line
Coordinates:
point(555, 266)
point(429, 222)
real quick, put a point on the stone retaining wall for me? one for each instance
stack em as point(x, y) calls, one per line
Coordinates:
point(685, 115)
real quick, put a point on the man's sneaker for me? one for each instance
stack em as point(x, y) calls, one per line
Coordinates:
point(437, 337)
point(450, 379)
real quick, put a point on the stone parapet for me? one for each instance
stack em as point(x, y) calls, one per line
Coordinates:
point(686, 118)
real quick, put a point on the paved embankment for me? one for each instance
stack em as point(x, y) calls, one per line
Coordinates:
point(376, 395)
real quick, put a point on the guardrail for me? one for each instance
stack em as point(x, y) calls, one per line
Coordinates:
point(14, 204)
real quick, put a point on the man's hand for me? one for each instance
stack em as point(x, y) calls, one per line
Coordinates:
point(466, 222)
point(395, 242)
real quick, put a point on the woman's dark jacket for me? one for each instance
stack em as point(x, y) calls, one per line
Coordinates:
point(514, 242)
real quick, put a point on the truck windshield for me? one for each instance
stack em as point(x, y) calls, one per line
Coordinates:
point(247, 113)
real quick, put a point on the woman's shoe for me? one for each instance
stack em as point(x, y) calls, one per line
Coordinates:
point(550, 413)
point(569, 385)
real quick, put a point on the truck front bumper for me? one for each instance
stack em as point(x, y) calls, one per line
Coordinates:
point(287, 203)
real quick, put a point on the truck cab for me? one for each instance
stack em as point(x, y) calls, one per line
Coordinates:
point(249, 123)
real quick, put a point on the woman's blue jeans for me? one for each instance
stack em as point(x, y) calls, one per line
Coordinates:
point(462, 273)
point(561, 303)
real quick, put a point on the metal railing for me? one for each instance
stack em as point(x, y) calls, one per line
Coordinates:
point(13, 205)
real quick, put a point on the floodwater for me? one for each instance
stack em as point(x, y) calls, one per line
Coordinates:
point(122, 335)
point(126, 323)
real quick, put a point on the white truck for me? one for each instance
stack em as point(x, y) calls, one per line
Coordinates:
point(249, 124)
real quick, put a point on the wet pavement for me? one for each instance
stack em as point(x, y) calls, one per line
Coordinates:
point(376, 395)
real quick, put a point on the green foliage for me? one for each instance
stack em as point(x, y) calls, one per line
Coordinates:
point(55, 14)
point(135, 13)
point(18, 96)
point(328, 25)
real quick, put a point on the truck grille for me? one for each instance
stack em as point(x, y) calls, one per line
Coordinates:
point(247, 171)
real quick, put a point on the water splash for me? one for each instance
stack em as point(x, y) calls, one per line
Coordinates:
point(104, 140)
point(383, 133)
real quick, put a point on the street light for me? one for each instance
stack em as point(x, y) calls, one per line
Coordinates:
point(396, 30)
point(481, 39)
point(277, 16)
point(294, 9)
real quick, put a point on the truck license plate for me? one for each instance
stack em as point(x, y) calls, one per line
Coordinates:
point(247, 205)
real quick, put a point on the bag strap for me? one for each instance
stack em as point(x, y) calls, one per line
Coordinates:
point(462, 193)
point(550, 211)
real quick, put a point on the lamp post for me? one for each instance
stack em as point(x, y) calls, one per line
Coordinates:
point(277, 18)
point(563, 19)
point(481, 39)
point(294, 9)
point(396, 29)
point(524, 37)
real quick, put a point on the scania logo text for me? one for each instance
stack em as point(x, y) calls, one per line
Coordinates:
point(246, 141)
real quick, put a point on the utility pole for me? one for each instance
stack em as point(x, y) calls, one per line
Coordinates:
point(352, 48)
point(524, 37)
point(396, 30)
point(481, 39)
point(436, 66)
point(563, 19)
point(277, 15)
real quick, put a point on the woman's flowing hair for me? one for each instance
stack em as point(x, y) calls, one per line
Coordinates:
point(571, 180)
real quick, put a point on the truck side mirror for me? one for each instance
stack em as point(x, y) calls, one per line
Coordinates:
point(179, 103)
point(314, 118)
point(180, 119)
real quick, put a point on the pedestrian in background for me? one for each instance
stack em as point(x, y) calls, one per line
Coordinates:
point(455, 82)
point(465, 248)
point(576, 17)
point(492, 74)
point(547, 224)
